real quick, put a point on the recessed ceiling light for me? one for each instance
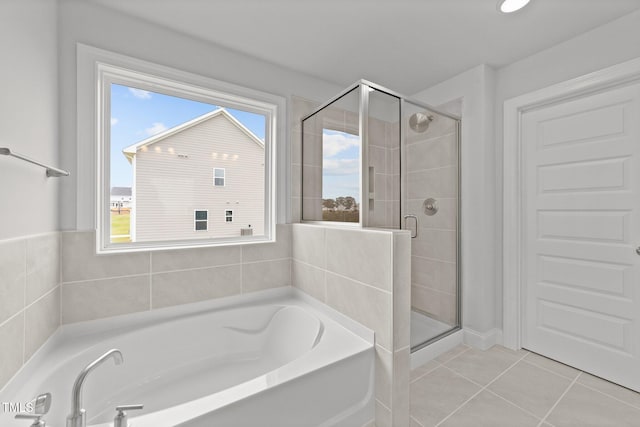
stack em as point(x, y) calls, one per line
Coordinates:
point(508, 6)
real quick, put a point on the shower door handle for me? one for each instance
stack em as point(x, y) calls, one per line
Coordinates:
point(415, 234)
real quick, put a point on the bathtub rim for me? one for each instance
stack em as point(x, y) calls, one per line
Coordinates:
point(151, 317)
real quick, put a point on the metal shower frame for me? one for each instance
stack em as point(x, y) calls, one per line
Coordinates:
point(366, 87)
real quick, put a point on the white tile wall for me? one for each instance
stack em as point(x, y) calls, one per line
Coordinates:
point(300, 108)
point(365, 257)
point(29, 298)
point(365, 274)
point(185, 286)
point(97, 286)
point(432, 171)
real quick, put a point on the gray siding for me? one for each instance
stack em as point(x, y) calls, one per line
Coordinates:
point(170, 186)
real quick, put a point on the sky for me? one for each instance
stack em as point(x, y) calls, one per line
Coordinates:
point(138, 114)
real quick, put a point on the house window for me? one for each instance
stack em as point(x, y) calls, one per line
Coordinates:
point(200, 219)
point(218, 177)
point(162, 133)
point(228, 216)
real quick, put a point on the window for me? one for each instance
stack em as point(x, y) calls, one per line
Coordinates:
point(228, 216)
point(331, 162)
point(162, 134)
point(218, 177)
point(200, 220)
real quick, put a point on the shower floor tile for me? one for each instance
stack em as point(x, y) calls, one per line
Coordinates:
point(423, 328)
point(451, 393)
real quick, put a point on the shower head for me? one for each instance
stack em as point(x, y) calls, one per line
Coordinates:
point(419, 122)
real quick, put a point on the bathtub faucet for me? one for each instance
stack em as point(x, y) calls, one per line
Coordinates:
point(77, 417)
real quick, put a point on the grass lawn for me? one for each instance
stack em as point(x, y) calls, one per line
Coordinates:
point(120, 226)
point(343, 216)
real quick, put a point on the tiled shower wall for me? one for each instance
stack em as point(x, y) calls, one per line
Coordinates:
point(432, 172)
point(365, 275)
point(300, 108)
point(29, 298)
point(98, 286)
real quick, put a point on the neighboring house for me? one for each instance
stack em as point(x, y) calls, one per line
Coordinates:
point(121, 197)
point(204, 178)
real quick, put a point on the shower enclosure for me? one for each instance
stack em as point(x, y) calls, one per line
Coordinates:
point(372, 158)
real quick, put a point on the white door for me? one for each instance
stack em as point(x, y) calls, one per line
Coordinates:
point(581, 232)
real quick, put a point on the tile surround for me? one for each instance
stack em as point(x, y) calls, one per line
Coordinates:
point(29, 298)
point(42, 318)
point(186, 286)
point(365, 257)
point(12, 271)
point(97, 286)
point(57, 278)
point(12, 347)
point(365, 275)
point(43, 265)
point(347, 296)
point(80, 262)
point(100, 298)
point(187, 259)
point(257, 276)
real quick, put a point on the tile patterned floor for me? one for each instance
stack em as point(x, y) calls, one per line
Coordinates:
point(502, 388)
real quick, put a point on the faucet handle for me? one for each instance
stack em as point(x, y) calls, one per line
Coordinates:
point(42, 403)
point(121, 417)
point(128, 407)
point(36, 419)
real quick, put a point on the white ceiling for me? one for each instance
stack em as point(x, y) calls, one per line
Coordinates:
point(406, 45)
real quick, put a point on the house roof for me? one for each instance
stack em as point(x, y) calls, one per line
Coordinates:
point(131, 150)
point(121, 191)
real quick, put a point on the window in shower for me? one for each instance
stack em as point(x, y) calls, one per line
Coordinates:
point(331, 157)
point(340, 176)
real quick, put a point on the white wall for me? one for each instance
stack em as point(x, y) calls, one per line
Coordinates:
point(607, 45)
point(28, 116)
point(82, 22)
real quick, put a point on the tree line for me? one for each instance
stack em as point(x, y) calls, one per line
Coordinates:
point(342, 203)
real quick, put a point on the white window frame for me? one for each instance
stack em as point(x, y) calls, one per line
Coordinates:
point(195, 220)
point(94, 68)
point(224, 177)
point(228, 216)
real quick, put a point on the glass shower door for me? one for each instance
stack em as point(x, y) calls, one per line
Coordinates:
point(430, 210)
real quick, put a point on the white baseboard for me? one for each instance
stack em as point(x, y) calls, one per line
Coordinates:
point(482, 340)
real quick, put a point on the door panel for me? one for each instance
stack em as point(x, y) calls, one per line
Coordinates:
point(581, 289)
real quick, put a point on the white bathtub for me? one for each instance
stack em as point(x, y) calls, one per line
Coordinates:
point(272, 359)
